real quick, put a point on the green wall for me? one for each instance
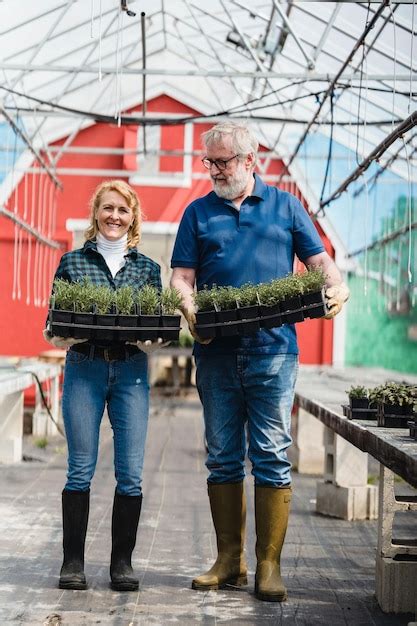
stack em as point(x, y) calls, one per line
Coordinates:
point(375, 338)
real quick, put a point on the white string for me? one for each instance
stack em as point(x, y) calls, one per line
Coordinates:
point(36, 262)
point(25, 217)
point(411, 57)
point(15, 244)
point(398, 285)
point(395, 65)
point(50, 233)
point(366, 105)
point(32, 223)
point(365, 285)
point(13, 202)
point(410, 215)
point(119, 104)
point(116, 112)
point(44, 247)
point(92, 21)
point(100, 76)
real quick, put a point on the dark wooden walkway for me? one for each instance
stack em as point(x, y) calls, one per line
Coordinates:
point(328, 563)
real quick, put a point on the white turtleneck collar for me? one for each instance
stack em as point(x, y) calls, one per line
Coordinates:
point(113, 252)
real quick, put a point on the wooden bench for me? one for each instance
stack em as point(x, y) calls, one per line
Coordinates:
point(173, 357)
point(345, 492)
point(14, 379)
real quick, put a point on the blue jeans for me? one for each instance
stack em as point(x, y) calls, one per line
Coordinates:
point(90, 384)
point(253, 389)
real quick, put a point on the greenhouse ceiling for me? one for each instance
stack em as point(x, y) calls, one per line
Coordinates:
point(342, 69)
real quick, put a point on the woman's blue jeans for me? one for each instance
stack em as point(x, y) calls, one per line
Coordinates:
point(90, 384)
point(253, 389)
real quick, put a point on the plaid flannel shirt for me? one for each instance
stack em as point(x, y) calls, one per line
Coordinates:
point(138, 270)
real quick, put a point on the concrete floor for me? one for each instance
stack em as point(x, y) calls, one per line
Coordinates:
point(328, 564)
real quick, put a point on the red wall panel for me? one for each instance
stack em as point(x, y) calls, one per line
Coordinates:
point(21, 324)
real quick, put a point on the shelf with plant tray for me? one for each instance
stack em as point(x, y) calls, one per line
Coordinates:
point(228, 311)
point(359, 406)
point(395, 404)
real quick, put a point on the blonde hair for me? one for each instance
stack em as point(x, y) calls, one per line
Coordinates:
point(243, 140)
point(130, 195)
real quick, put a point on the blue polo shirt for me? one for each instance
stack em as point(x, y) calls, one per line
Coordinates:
point(255, 244)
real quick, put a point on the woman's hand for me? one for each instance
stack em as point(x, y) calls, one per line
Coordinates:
point(149, 346)
point(60, 342)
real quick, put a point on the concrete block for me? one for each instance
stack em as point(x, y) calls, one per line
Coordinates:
point(396, 584)
point(307, 451)
point(351, 464)
point(11, 450)
point(349, 503)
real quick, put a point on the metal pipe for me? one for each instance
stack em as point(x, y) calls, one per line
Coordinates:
point(310, 61)
point(405, 126)
point(38, 157)
point(35, 233)
point(380, 242)
point(320, 77)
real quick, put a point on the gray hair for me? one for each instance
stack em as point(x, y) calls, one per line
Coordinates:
point(243, 140)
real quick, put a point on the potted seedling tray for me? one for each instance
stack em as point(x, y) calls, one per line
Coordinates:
point(270, 316)
point(359, 414)
point(412, 424)
point(248, 320)
point(314, 304)
point(394, 416)
point(170, 327)
point(138, 327)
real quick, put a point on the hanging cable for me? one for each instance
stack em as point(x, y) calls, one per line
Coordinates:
point(92, 20)
point(410, 216)
point(395, 63)
point(329, 155)
point(100, 75)
point(117, 102)
point(405, 126)
point(411, 56)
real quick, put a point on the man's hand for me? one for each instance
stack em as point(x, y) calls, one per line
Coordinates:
point(149, 346)
point(60, 342)
point(336, 296)
point(190, 317)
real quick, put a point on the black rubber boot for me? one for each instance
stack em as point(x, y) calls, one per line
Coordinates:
point(125, 520)
point(75, 508)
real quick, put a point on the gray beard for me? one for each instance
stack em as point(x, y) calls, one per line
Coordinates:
point(235, 188)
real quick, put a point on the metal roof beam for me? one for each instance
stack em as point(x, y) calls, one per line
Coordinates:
point(30, 229)
point(32, 19)
point(314, 77)
point(397, 133)
point(308, 58)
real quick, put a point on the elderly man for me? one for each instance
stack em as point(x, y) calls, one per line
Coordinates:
point(246, 231)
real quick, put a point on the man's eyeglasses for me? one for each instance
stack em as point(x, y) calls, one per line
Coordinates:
point(221, 164)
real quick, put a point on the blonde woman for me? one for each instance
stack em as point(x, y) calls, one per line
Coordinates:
point(112, 375)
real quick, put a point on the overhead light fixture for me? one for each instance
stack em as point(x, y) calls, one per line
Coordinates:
point(123, 6)
point(234, 38)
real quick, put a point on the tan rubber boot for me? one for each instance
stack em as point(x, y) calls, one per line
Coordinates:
point(228, 510)
point(272, 507)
